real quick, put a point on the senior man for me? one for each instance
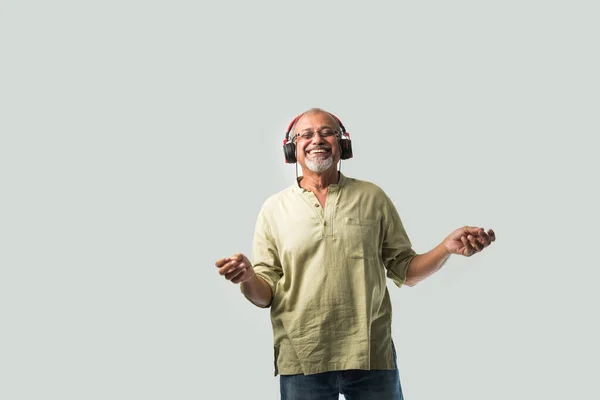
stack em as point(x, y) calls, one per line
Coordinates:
point(321, 252)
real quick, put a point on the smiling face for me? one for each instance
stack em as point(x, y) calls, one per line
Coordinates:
point(317, 147)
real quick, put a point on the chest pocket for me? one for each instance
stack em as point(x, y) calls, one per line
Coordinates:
point(361, 237)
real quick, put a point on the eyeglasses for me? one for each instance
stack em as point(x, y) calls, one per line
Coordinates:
point(325, 132)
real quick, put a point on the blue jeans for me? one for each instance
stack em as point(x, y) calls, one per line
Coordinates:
point(353, 384)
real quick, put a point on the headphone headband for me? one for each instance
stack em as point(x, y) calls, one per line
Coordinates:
point(291, 125)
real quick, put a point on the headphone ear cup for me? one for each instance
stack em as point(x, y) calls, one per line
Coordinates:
point(289, 151)
point(346, 146)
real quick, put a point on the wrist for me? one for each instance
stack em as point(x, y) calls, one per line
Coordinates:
point(251, 276)
point(443, 248)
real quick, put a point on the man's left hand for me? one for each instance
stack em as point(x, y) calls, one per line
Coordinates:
point(468, 240)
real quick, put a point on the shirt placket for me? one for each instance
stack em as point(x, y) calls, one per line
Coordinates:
point(329, 212)
point(325, 217)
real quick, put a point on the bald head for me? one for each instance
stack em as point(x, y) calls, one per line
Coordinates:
point(313, 111)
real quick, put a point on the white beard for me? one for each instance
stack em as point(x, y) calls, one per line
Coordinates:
point(319, 165)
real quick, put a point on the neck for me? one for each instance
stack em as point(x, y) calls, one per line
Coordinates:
point(318, 182)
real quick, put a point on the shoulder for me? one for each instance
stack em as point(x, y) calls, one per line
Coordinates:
point(277, 201)
point(366, 187)
point(369, 194)
point(275, 209)
point(277, 198)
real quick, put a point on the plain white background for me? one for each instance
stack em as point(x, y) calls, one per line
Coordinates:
point(139, 140)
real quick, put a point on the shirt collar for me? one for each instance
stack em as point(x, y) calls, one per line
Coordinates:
point(341, 182)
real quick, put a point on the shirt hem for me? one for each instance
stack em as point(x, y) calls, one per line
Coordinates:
point(317, 369)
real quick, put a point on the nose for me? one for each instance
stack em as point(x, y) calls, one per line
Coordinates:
point(317, 138)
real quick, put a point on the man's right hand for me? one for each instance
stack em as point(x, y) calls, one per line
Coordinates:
point(236, 268)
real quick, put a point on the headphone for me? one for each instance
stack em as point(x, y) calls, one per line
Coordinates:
point(289, 147)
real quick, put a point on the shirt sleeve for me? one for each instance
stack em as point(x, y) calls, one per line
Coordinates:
point(265, 257)
point(397, 252)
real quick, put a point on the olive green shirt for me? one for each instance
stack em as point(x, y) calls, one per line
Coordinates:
point(327, 271)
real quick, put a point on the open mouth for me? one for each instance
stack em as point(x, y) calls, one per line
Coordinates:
point(320, 152)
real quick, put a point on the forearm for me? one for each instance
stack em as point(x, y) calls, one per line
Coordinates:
point(424, 265)
point(257, 291)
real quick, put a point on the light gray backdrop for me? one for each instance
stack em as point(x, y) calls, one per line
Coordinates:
point(140, 138)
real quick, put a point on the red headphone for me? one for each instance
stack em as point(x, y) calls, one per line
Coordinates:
point(289, 147)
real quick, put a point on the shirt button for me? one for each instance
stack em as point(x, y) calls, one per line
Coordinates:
point(316, 204)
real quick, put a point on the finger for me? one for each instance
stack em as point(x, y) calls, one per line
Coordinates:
point(236, 265)
point(468, 249)
point(492, 235)
point(239, 278)
point(221, 261)
point(474, 243)
point(232, 275)
point(473, 230)
point(484, 239)
point(237, 257)
point(245, 263)
point(230, 270)
point(230, 266)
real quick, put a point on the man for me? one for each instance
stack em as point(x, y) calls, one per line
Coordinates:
point(321, 253)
